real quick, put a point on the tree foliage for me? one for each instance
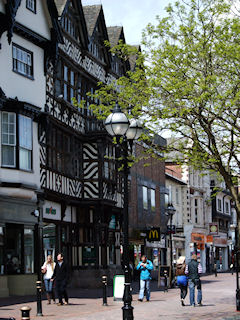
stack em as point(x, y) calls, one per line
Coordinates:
point(186, 80)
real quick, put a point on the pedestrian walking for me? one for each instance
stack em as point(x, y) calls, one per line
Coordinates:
point(47, 270)
point(61, 276)
point(193, 270)
point(145, 266)
point(182, 280)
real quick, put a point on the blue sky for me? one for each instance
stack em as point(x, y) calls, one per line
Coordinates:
point(133, 15)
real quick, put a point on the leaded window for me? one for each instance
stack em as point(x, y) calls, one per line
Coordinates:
point(22, 61)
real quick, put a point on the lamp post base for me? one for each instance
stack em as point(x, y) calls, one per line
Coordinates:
point(127, 312)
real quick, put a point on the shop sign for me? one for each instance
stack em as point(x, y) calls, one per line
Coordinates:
point(50, 210)
point(220, 241)
point(198, 238)
point(153, 234)
point(209, 239)
point(213, 228)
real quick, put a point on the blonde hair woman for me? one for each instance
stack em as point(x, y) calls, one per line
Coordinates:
point(47, 270)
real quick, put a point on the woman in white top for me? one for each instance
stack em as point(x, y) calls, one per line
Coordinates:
point(47, 270)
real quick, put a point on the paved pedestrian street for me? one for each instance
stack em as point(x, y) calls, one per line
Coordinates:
point(218, 303)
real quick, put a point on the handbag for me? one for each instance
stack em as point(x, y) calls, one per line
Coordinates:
point(44, 270)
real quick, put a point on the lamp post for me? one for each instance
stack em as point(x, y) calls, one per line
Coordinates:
point(170, 211)
point(118, 125)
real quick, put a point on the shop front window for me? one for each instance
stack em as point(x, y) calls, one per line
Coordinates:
point(14, 249)
point(49, 239)
point(29, 251)
point(1, 251)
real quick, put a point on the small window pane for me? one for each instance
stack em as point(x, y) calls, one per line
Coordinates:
point(25, 159)
point(8, 156)
point(145, 198)
point(153, 200)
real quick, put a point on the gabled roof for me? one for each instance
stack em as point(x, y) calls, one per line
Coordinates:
point(91, 14)
point(133, 57)
point(115, 34)
point(63, 6)
point(60, 5)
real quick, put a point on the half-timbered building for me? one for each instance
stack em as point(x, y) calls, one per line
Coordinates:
point(83, 195)
point(29, 34)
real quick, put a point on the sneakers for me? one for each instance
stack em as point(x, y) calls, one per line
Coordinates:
point(141, 300)
point(59, 304)
point(200, 304)
point(66, 303)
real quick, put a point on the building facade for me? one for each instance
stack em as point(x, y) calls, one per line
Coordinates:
point(27, 30)
point(177, 196)
point(58, 176)
point(147, 206)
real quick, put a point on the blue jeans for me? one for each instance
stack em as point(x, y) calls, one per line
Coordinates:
point(144, 284)
point(48, 285)
point(192, 285)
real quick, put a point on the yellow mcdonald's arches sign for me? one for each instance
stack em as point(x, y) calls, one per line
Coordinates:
point(153, 234)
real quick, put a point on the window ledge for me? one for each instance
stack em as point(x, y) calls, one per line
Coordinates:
point(23, 75)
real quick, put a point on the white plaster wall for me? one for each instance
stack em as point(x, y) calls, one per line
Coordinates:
point(16, 85)
point(68, 215)
point(39, 22)
point(12, 175)
point(178, 216)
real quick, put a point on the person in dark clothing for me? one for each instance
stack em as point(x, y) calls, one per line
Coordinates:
point(193, 270)
point(61, 275)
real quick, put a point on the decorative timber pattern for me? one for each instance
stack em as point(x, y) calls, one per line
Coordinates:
point(109, 191)
point(54, 181)
point(89, 65)
point(90, 171)
point(63, 112)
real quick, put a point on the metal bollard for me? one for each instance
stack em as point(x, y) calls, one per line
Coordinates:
point(104, 282)
point(215, 269)
point(25, 313)
point(39, 298)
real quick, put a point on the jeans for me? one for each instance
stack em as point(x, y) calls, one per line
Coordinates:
point(144, 284)
point(61, 290)
point(183, 292)
point(192, 284)
point(48, 285)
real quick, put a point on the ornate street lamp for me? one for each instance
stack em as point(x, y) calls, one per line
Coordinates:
point(170, 211)
point(118, 125)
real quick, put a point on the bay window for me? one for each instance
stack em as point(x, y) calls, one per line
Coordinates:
point(16, 149)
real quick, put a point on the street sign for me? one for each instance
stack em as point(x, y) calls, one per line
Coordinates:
point(153, 234)
point(171, 229)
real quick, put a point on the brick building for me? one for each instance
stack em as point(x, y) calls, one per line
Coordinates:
point(147, 205)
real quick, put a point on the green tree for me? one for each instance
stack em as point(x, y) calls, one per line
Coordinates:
point(187, 80)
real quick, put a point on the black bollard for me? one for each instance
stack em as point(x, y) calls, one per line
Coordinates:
point(39, 298)
point(25, 313)
point(104, 283)
point(215, 269)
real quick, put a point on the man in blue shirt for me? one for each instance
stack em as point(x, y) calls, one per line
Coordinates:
point(145, 266)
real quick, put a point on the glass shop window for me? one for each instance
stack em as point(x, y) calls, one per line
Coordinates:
point(1, 250)
point(29, 250)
